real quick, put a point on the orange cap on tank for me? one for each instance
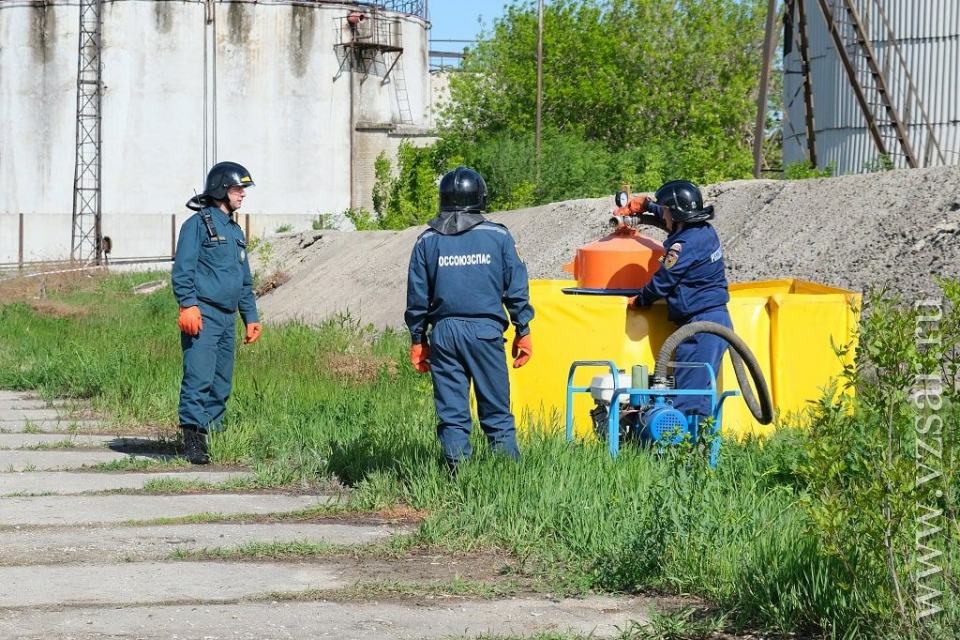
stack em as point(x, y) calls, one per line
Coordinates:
point(625, 259)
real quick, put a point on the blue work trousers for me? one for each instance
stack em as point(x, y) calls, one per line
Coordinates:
point(207, 369)
point(462, 351)
point(703, 347)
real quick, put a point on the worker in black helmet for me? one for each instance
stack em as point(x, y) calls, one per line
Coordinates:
point(692, 278)
point(211, 282)
point(466, 284)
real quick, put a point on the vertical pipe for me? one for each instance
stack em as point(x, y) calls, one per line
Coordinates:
point(209, 86)
point(20, 245)
point(352, 134)
point(807, 84)
point(173, 236)
point(539, 85)
point(769, 43)
point(204, 165)
point(213, 80)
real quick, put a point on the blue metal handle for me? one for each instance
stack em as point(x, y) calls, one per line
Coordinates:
point(645, 396)
point(571, 389)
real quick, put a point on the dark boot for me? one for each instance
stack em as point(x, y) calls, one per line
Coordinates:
point(452, 469)
point(195, 445)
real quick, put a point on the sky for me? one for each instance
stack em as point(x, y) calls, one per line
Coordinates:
point(462, 20)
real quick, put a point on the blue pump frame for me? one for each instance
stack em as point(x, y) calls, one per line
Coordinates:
point(657, 397)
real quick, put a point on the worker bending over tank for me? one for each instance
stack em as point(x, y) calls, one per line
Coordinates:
point(465, 278)
point(693, 281)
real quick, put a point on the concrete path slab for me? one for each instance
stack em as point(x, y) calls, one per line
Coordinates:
point(66, 483)
point(63, 425)
point(60, 460)
point(88, 510)
point(23, 401)
point(75, 565)
point(420, 619)
point(10, 395)
point(113, 543)
point(29, 440)
point(30, 400)
point(35, 403)
point(153, 582)
point(7, 414)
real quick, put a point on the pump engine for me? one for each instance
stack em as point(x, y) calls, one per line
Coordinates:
point(639, 406)
point(641, 418)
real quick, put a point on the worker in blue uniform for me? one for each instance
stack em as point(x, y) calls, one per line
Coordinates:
point(692, 278)
point(465, 279)
point(211, 282)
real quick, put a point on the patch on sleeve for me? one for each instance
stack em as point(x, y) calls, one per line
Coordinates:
point(673, 254)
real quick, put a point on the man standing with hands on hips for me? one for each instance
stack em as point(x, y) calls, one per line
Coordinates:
point(211, 282)
point(465, 278)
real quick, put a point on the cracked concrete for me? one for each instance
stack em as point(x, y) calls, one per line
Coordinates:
point(88, 555)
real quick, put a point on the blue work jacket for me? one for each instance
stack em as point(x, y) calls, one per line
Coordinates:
point(475, 274)
point(692, 276)
point(211, 264)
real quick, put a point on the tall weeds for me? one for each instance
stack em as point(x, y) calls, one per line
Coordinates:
point(843, 527)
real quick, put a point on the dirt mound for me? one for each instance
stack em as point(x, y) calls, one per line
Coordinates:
point(896, 229)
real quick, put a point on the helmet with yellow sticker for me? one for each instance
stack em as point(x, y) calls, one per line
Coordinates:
point(224, 175)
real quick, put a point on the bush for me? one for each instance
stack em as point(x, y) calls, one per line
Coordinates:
point(804, 170)
point(881, 472)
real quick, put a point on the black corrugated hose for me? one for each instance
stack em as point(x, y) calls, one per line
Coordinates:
point(740, 353)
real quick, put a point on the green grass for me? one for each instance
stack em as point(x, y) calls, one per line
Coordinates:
point(367, 590)
point(155, 465)
point(202, 518)
point(66, 443)
point(175, 485)
point(394, 548)
point(337, 405)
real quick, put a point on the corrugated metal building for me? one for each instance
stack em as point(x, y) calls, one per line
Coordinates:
point(914, 45)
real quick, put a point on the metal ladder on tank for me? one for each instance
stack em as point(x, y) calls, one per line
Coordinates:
point(874, 74)
point(399, 83)
point(86, 239)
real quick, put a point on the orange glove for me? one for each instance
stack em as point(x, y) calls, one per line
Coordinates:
point(190, 321)
point(522, 350)
point(419, 357)
point(638, 204)
point(253, 332)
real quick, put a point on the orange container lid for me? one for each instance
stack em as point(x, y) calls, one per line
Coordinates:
point(625, 259)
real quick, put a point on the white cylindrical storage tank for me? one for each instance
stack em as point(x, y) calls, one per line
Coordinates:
point(916, 43)
point(262, 83)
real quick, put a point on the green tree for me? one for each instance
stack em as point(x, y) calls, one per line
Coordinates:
point(409, 198)
point(649, 89)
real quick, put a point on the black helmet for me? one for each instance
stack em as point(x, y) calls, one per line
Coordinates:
point(224, 175)
point(463, 189)
point(684, 201)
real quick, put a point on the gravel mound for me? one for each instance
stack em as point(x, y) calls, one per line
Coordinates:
point(897, 229)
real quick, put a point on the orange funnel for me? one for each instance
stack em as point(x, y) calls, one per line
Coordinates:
point(624, 260)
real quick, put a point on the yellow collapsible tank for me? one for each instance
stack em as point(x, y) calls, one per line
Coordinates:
point(789, 325)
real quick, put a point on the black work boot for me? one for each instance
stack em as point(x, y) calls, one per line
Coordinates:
point(195, 445)
point(451, 469)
